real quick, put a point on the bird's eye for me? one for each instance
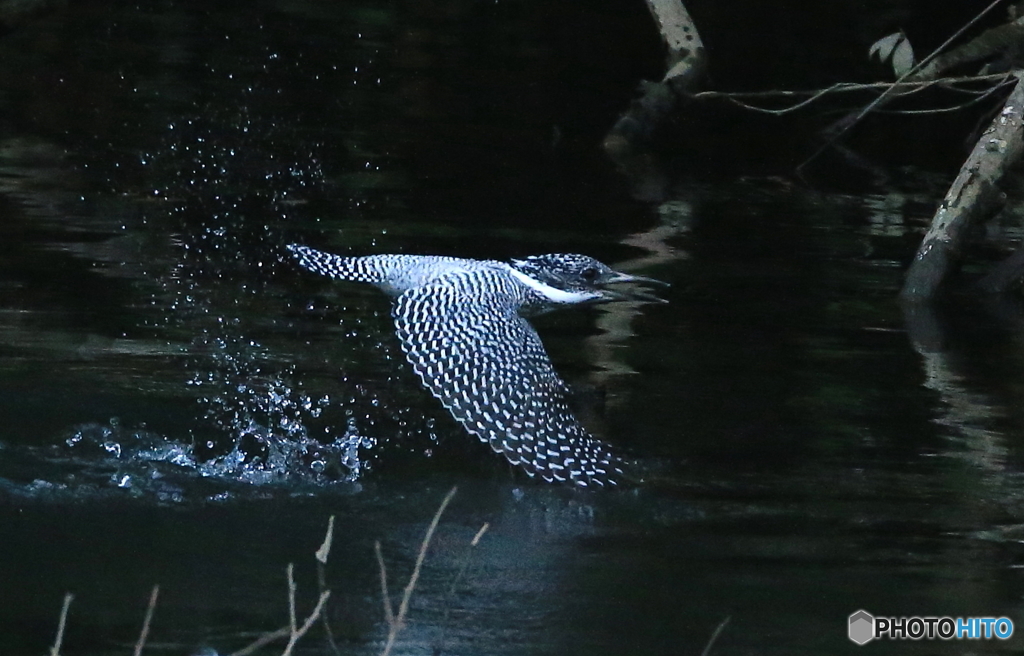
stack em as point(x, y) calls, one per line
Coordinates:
point(590, 273)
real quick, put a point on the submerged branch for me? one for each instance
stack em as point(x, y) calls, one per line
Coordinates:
point(61, 624)
point(389, 611)
point(296, 634)
point(714, 636)
point(321, 576)
point(397, 621)
point(144, 634)
point(262, 641)
point(439, 646)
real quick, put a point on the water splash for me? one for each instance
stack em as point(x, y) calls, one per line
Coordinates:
point(110, 460)
point(219, 189)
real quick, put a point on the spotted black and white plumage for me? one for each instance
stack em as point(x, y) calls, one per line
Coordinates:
point(460, 326)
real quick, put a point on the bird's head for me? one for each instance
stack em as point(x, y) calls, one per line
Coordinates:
point(573, 278)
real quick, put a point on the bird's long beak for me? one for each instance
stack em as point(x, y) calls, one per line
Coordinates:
point(626, 277)
point(635, 294)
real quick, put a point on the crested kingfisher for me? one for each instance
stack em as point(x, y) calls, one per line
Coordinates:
point(461, 326)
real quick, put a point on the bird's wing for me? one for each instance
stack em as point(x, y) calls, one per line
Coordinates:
point(489, 368)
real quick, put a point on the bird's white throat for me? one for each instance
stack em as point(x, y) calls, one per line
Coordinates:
point(554, 294)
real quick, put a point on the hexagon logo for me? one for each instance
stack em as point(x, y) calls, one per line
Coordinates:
point(862, 627)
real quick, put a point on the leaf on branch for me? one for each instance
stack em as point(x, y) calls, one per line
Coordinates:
point(903, 58)
point(884, 46)
point(897, 48)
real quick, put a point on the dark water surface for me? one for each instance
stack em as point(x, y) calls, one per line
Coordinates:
point(180, 405)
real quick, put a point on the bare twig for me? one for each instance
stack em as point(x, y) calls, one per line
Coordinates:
point(389, 613)
point(885, 94)
point(465, 563)
point(262, 641)
point(325, 549)
point(942, 110)
point(686, 64)
point(396, 622)
point(855, 86)
point(55, 650)
point(980, 92)
point(403, 608)
point(733, 98)
point(455, 583)
point(714, 636)
point(321, 576)
point(999, 39)
point(293, 632)
point(945, 44)
point(479, 534)
point(291, 596)
point(901, 88)
point(146, 622)
point(297, 634)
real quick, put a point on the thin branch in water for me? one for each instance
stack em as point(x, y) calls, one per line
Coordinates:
point(398, 621)
point(885, 94)
point(321, 576)
point(262, 641)
point(55, 650)
point(455, 583)
point(296, 635)
point(389, 613)
point(291, 596)
point(465, 560)
point(144, 634)
point(325, 549)
point(403, 608)
point(714, 636)
point(293, 632)
point(480, 534)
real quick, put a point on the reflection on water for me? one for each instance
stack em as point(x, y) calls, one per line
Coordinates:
point(181, 406)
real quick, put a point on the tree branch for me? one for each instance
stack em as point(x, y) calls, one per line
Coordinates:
point(685, 65)
point(973, 197)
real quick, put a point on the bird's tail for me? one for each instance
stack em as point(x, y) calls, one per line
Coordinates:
point(336, 266)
